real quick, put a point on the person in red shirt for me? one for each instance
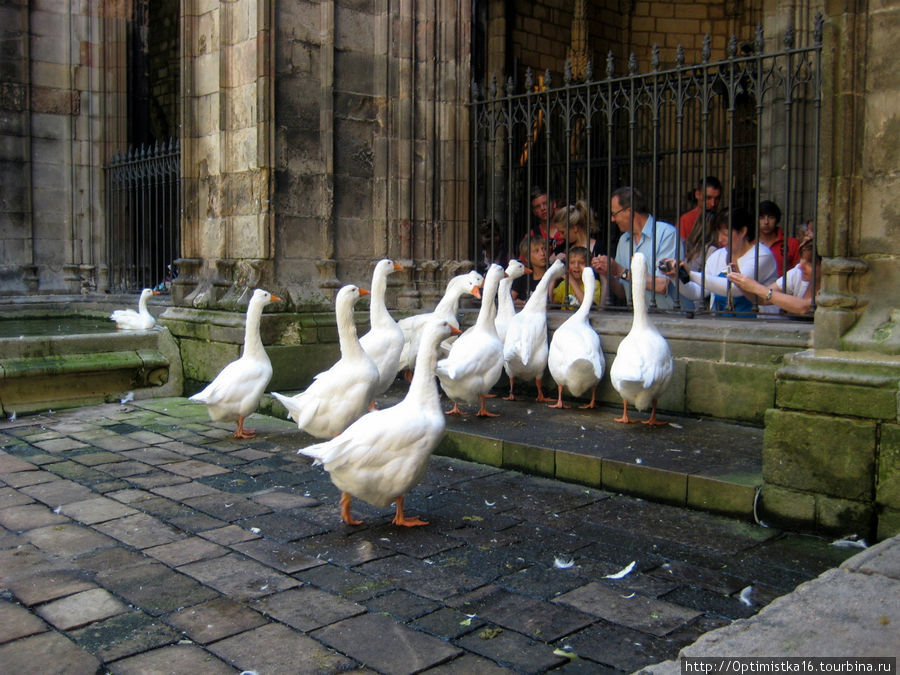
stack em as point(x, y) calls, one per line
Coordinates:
point(543, 209)
point(773, 236)
point(708, 194)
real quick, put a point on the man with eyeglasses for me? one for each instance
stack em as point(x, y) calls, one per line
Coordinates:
point(641, 232)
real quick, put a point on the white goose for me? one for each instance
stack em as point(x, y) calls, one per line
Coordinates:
point(475, 361)
point(525, 348)
point(446, 310)
point(338, 396)
point(384, 341)
point(642, 367)
point(236, 390)
point(576, 361)
point(384, 454)
point(506, 308)
point(128, 319)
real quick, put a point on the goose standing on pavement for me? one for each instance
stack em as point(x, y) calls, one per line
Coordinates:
point(576, 360)
point(384, 454)
point(525, 348)
point(235, 392)
point(642, 368)
point(128, 319)
point(340, 395)
point(446, 310)
point(506, 308)
point(475, 361)
point(384, 341)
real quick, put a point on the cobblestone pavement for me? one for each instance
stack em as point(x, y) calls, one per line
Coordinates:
point(142, 538)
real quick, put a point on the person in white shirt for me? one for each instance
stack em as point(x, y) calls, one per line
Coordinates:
point(738, 252)
point(792, 293)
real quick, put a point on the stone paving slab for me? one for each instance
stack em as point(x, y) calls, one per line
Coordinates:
point(174, 547)
point(81, 608)
point(17, 622)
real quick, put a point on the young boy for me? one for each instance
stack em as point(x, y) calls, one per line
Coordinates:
point(532, 252)
point(573, 292)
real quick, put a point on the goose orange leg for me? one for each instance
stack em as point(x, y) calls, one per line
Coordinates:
point(593, 403)
point(241, 431)
point(345, 502)
point(512, 396)
point(653, 421)
point(559, 403)
point(483, 411)
point(455, 410)
point(400, 519)
point(540, 396)
point(625, 418)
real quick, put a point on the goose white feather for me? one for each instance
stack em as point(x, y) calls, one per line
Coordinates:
point(506, 308)
point(643, 365)
point(576, 360)
point(384, 341)
point(525, 348)
point(384, 454)
point(446, 310)
point(338, 396)
point(475, 361)
point(236, 390)
point(128, 319)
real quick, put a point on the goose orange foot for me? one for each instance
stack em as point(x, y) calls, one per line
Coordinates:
point(625, 419)
point(400, 519)
point(653, 421)
point(455, 411)
point(241, 432)
point(345, 502)
point(559, 402)
point(483, 411)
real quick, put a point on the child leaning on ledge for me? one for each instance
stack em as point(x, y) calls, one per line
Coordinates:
point(573, 293)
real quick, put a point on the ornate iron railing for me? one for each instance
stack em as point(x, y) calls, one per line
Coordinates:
point(751, 119)
point(143, 217)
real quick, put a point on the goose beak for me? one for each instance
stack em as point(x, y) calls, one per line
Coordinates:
point(275, 298)
point(455, 331)
point(397, 267)
point(476, 291)
point(155, 292)
point(363, 291)
point(528, 270)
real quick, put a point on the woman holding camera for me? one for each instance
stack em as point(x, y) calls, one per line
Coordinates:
point(737, 253)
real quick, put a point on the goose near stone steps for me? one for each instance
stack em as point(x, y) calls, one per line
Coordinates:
point(525, 348)
point(384, 341)
point(236, 390)
point(643, 365)
point(475, 361)
point(338, 396)
point(384, 454)
point(128, 319)
point(576, 360)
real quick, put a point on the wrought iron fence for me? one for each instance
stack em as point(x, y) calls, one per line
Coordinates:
point(751, 119)
point(143, 213)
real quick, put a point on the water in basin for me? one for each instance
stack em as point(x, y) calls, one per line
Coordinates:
point(11, 327)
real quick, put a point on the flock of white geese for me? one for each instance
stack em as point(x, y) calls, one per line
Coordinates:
point(379, 455)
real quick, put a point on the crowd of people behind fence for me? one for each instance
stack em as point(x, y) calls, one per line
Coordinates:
point(722, 258)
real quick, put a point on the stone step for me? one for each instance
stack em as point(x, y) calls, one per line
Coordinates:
point(708, 465)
